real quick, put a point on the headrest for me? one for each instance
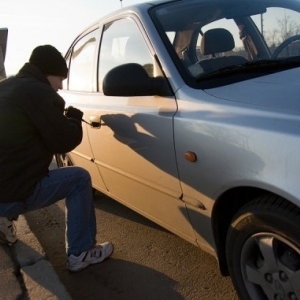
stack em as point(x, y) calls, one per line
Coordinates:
point(216, 41)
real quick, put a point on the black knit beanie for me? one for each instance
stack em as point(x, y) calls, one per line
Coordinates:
point(49, 60)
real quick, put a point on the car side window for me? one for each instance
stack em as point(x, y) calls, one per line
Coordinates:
point(81, 65)
point(122, 43)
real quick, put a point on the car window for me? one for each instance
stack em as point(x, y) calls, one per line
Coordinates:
point(122, 43)
point(232, 28)
point(278, 25)
point(81, 64)
point(209, 39)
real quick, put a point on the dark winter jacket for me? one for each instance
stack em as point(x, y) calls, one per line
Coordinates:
point(32, 128)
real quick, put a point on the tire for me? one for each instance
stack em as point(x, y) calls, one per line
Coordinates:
point(263, 250)
point(63, 160)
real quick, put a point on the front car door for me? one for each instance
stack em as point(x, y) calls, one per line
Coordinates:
point(134, 148)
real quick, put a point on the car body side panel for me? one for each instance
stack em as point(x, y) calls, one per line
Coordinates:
point(237, 145)
point(135, 155)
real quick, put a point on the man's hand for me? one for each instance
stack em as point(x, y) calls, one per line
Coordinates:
point(72, 112)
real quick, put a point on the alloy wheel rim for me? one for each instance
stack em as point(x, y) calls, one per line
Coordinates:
point(271, 267)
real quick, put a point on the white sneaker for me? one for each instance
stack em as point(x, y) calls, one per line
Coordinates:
point(94, 255)
point(7, 231)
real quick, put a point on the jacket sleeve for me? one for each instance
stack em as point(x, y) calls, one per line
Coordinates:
point(45, 109)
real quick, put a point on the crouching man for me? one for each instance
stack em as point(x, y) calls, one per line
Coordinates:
point(33, 127)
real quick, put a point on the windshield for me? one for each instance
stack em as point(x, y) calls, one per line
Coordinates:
point(210, 39)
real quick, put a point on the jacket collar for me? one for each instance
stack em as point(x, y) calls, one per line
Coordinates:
point(32, 71)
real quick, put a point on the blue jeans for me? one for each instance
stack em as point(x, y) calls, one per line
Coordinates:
point(74, 184)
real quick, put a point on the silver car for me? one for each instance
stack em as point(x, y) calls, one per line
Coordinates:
point(192, 119)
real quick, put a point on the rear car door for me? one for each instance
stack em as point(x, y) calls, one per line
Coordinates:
point(80, 91)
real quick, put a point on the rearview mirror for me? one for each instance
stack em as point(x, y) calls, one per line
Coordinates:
point(244, 8)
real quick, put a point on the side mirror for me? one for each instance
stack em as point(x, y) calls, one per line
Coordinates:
point(132, 80)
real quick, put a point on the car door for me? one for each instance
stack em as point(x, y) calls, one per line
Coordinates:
point(80, 91)
point(134, 147)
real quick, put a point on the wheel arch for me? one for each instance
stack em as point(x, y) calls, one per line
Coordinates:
point(225, 208)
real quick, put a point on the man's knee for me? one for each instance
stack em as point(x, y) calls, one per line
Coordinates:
point(82, 174)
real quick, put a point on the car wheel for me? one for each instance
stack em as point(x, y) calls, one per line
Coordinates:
point(263, 250)
point(63, 160)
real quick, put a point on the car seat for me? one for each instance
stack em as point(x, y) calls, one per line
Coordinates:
point(215, 42)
